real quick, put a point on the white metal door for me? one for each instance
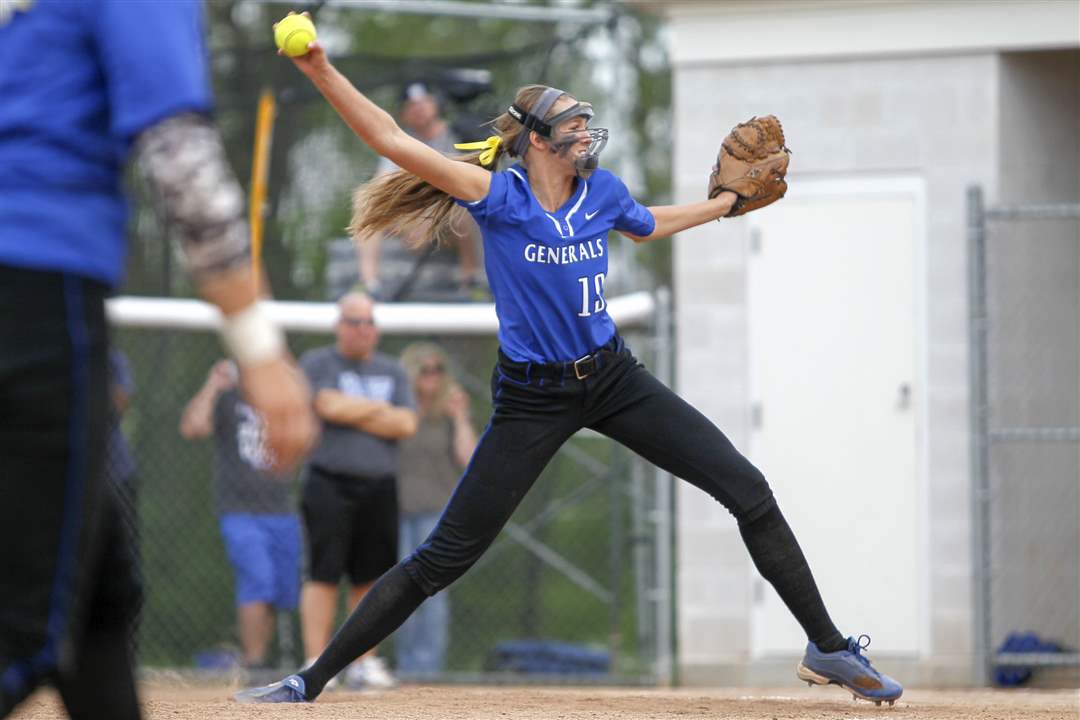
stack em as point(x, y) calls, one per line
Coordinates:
point(835, 379)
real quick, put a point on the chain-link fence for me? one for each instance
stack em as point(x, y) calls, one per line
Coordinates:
point(580, 576)
point(1025, 394)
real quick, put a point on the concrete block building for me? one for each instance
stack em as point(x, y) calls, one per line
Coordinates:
point(828, 335)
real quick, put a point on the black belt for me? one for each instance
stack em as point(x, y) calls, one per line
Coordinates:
point(579, 369)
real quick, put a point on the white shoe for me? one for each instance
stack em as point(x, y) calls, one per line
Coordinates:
point(370, 673)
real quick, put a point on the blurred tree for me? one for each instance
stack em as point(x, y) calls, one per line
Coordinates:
point(620, 66)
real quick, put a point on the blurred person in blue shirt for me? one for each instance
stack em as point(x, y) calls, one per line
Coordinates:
point(86, 86)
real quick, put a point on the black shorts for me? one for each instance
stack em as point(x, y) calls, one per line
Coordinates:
point(66, 568)
point(351, 525)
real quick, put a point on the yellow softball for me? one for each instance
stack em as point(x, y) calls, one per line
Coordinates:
point(293, 34)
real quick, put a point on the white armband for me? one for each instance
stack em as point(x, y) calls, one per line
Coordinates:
point(251, 337)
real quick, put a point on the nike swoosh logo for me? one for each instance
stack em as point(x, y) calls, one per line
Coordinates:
point(589, 215)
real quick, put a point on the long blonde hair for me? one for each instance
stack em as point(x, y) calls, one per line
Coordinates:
point(400, 202)
point(414, 357)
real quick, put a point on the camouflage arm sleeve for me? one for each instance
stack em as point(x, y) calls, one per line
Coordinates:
point(184, 161)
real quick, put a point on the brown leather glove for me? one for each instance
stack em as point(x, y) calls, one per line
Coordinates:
point(752, 163)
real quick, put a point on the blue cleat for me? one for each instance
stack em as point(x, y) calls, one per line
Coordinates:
point(850, 669)
point(289, 690)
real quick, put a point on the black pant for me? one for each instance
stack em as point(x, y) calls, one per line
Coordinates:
point(67, 588)
point(536, 409)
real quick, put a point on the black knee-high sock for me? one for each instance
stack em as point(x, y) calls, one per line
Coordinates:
point(780, 560)
point(386, 606)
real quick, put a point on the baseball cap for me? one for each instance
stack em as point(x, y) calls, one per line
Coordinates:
point(415, 91)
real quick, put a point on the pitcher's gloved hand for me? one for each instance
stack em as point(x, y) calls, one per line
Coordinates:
point(752, 163)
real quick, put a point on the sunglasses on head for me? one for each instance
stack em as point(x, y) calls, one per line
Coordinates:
point(357, 322)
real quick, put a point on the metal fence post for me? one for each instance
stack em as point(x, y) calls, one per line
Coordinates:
point(980, 480)
point(664, 512)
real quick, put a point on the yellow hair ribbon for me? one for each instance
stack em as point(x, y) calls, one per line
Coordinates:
point(489, 147)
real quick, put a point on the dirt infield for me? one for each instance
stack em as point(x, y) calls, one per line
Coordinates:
point(180, 702)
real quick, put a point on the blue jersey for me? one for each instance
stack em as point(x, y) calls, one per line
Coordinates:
point(78, 82)
point(547, 269)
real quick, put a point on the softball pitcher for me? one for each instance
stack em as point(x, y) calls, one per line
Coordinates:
point(562, 365)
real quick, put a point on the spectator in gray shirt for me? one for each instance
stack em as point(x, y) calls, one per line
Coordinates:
point(349, 497)
point(256, 511)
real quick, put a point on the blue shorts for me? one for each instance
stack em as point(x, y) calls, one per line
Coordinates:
point(265, 552)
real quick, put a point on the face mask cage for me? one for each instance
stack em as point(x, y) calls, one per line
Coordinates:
point(560, 142)
point(588, 160)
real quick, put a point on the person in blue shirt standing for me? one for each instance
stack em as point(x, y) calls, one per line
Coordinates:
point(85, 86)
point(562, 365)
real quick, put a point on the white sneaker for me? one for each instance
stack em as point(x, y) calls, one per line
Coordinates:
point(370, 673)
